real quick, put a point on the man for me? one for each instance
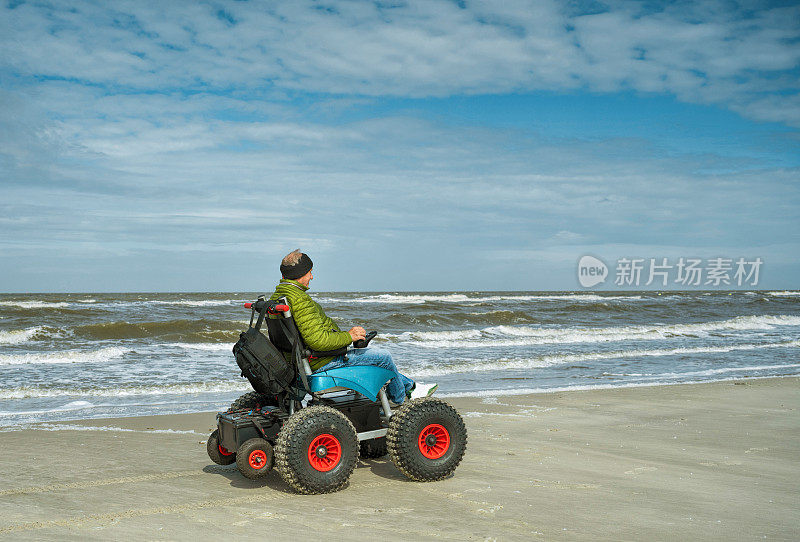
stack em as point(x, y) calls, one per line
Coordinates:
point(321, 333)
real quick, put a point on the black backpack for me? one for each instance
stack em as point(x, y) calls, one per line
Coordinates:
point(260, 361)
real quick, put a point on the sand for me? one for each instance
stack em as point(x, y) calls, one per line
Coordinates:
point(717, 461)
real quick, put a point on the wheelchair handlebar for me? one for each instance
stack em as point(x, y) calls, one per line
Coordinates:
point(260, 305)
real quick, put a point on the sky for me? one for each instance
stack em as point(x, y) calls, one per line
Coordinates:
point(420, 145)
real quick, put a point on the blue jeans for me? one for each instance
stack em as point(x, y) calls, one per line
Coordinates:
point(398, 386)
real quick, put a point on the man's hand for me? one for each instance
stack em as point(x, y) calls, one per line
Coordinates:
point(357, 333)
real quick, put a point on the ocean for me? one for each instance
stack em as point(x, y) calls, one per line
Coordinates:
point(79, 356)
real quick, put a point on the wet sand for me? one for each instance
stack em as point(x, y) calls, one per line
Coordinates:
point(712, 461)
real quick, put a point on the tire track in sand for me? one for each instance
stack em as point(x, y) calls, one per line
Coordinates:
point(111, 481)
point(80, 521)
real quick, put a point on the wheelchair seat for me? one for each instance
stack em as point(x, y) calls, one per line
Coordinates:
point(284, 335)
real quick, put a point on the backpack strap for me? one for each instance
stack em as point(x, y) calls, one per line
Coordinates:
point(263, 313)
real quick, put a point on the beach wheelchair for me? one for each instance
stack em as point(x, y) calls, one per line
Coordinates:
point(315, 443)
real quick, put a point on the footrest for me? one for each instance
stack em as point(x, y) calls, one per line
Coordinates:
point(367, 435)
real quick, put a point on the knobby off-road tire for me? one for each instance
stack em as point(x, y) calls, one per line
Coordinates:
point(255, 458)
point(251, 400)
point(316, 450)
point(216, 452)
point(426, 439)
point(374, 448)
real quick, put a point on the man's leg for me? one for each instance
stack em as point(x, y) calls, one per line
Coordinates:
point(398, 386)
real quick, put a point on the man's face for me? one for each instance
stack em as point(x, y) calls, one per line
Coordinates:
point(305, 279)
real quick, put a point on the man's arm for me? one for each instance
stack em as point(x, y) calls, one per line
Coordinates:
point(315, 327)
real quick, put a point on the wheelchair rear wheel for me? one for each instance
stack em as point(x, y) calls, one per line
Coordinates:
point(316, 450)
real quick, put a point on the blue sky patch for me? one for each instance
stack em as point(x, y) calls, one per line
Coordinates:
point(142, 141)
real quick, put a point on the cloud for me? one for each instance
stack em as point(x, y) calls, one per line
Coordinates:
point(373, 191)
point(708, 52)
point(138, 140)
point(400, 175)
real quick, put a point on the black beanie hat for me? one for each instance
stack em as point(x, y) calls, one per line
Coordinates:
point(299, 269)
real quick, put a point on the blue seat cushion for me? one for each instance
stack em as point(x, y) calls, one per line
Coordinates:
point(365, 379)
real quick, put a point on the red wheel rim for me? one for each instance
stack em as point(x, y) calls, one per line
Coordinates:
point(257, 459)
point(223, 451)
point(324, 452)
point(434, 441)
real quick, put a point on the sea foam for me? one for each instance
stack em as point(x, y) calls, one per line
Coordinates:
point(24, 392)
point(529, 335)
point(211, 347)
point(417, 299)
point(467, 366)
point(584, 387)
point(73, 427)
point(35, 304)
point(18, 336)
point(64, 356)
point(190, 303)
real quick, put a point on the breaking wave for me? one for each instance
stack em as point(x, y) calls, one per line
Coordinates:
point(64, 356)
point(417, 299)
point(723, 370)
point(211, 347)
point(411, 319)
point(34, 304)
point(584, 387)
point(189, 303)
point(562, 359)
point(25, 392)
point(118, 303)
point(18, 336)
point(528, 335)
point(113, 429)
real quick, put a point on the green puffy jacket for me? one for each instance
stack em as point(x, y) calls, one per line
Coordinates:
point(318, 331)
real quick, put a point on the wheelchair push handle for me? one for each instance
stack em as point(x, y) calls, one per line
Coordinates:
point(258, 305)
